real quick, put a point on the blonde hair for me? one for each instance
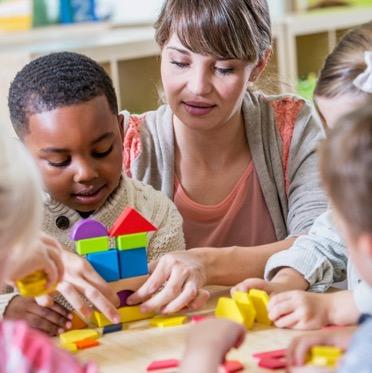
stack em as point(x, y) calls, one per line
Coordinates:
point(225, 29)
point(20, 195)
point(345, 63)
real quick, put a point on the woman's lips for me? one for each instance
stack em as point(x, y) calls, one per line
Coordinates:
point(198, 108)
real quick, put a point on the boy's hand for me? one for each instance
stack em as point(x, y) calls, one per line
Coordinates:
point(51, 320)
point(259, 283)
point(209, 342)
point(175, 283)
point(300, 346)
point(300, 310)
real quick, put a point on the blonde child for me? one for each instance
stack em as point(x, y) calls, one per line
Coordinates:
point(64, 108)
point(22, 251)
point(319, 259)
point(346, 161)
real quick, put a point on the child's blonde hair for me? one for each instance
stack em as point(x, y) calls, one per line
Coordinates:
point(20, 194)
point(345, 64)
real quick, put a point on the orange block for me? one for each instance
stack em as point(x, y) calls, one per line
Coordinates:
point(77, 322)
point(87, 343)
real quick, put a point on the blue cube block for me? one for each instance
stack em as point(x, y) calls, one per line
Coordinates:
point(133, 263)
point(106, 263)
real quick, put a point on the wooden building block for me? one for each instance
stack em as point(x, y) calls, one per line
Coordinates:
point(274, 354)
point(77, 323)
point(232, 366)
point(92, 245)
point(86, 343)
point(132, 241)
point(246, 306)
point(112, 328)
point(163, 322)
point(133, 283)
point(163, 364)
point(70, 347)
point(272, 363)
point(73, 336)
point(133, 263)
point(87, 228)
point(106, 264)
point(33, 285)
point(227, 308)
point(260, 300)
point(324, 356)
point(131, 221)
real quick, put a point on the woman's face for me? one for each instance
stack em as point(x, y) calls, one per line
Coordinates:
point(203, 92)
point(332, 109)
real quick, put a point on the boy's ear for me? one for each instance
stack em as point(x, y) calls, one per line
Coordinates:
point(121, 125)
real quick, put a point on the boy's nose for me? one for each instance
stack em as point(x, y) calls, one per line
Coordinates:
point(85, 172)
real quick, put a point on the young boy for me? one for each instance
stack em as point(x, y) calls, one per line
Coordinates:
point(64, 108)
point(346, 163)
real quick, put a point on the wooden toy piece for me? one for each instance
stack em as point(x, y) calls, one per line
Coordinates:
point(260, 300)
point(227, 308)
point(87, 228)
point(133, 263)
point(33, 285)
point(272, 363)
point(163, 322)
point(132, 241)
point(73, 336)
point(275, 354)
point(112, 328)
point(87, 343)
point(77, 322)
point(133, 283)
point(70, 347)
point(324, 356)
point(127, 314)
point(123, 296)
point(106, 264)
point(198, 318)
point(231, 366)
point(163, 364)
point(246, 306)
point(92, 245)
point(130, 221)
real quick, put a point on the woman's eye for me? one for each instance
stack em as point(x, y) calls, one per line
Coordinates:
point(179, 64)
point(64, 163)
point(104, 153)
point(224, 71)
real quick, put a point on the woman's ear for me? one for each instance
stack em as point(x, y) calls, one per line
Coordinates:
point(121, 125)
point(260, 66)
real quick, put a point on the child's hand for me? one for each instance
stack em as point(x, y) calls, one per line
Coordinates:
point(300, 346)
point(44, 254)
point(51, 320)
point(259, 283)
point(300, 310)
point(209, 342)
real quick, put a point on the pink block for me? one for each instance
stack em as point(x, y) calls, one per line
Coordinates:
point(163, 364)
point(270, 363)
point(232, 366)
point(274, 354)
point(87, 228)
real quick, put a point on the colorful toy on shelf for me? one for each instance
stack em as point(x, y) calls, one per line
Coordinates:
point(33, 285)
point(245, 308)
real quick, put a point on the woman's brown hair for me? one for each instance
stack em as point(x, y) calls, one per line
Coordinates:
point(224, 29)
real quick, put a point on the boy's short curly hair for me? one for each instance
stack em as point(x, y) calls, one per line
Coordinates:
point(56, 80)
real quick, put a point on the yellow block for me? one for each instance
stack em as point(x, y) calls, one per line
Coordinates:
point(71, 347)
point(33, 285)
point(227, 308)
point(260, 300)
point(324, 356)
point(246, 306)
point(163, 322)
point(78, 335)
point(127, 314)
point(15, 23)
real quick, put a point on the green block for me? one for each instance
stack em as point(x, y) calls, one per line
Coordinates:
point(132, 241)
point(92, 245)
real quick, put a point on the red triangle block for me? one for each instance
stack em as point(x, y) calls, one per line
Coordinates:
point(130, 221)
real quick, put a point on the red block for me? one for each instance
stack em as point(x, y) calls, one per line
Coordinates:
point(163, 364)
point(274, 354)
point(270, 363)
point(233, 366)
point(130, 221)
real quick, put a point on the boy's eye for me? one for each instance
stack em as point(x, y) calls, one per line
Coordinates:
point(64, 163)
point(224, 71)
point(104, 153)
point(181, 65)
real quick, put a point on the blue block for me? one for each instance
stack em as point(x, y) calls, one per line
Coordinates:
point(106, 264)
point(133, 263)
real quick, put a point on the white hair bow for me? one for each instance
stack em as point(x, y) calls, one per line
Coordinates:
point(364, 80)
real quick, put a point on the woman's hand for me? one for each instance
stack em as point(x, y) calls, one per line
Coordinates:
point(175, 282)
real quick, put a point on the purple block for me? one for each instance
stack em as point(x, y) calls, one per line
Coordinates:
point(123, 296)
point(87, 228)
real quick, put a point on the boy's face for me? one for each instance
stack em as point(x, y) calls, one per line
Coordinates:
point(78, 150)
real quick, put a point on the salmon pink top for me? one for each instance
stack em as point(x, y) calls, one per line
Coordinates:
point(223, 224)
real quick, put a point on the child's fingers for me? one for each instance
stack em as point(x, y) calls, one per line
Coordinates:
point(281, 309)
point(278, 298)
point(44, 325)
point(60, 310)
point(251, 283)
point(53, 317)
point(287, 321)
